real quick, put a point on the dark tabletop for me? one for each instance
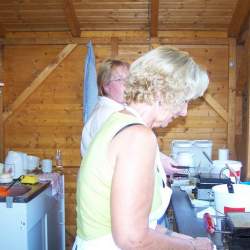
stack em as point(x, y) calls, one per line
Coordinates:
point(186, 220)
point(33, 191)
point(185, 215)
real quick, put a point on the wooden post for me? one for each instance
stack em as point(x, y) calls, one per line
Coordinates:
point(247, 166)
point(1, 124)
point(114, 47)
point(154, 18)
point(1, 107)
point(231, 97)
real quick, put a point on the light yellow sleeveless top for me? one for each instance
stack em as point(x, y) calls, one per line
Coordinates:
point(94, 182)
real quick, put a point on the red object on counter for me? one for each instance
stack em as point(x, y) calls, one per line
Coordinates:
point(4, 192)
point(209, 223)
point(234, 209)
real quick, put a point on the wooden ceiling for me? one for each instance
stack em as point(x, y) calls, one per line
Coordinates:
point(105, 15)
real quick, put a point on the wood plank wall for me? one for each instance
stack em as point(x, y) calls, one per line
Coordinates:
point(52, 116)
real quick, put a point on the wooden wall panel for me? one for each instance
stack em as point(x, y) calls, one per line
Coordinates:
point(31, 60)
point(22, 68)
point(55, 105)
point(52, 116)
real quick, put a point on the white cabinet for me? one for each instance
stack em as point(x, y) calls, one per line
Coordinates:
point(35, 225)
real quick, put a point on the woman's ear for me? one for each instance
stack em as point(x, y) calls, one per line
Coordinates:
point(158, 99)
point(105, 89)
point(157, 105)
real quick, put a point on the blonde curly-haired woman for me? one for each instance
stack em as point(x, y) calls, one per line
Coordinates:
point(121, 189)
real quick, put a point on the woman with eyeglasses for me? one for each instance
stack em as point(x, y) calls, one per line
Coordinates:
point(121, 188)
point(111, 78)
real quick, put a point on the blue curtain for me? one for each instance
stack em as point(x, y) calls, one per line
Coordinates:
point(90, 91)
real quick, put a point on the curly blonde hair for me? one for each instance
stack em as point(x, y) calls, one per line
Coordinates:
point(165, 73)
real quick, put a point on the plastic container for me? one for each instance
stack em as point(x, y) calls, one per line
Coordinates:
point(181, 146)
point(205, 145)
point(196, 147)
point(231, 202)
point(219, 167)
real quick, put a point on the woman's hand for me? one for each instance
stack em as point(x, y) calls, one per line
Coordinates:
point(202, 243)
point(182, 236)
point(199, 243)
point(169, 165)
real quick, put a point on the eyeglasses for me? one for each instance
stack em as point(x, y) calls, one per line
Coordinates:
point(119, 79)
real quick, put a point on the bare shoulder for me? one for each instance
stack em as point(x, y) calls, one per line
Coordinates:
point(136, 143)
point(136, 134)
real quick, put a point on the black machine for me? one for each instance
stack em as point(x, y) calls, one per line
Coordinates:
point(238, 226)
point(203, 189)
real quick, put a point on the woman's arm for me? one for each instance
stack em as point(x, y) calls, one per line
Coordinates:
point(133, 152)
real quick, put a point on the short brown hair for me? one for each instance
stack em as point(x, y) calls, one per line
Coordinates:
point(105, 72)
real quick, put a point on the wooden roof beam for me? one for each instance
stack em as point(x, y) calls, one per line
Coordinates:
point(239, 18)
point(71, 18)
point(154, 18)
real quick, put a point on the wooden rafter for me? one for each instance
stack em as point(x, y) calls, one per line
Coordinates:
point(71, 17)
point(239, 18)
point(216, 106)
point(154, 18)
point(38, 81)
point(105, 40)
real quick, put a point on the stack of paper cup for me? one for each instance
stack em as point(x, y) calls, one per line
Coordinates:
point(223, 154)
